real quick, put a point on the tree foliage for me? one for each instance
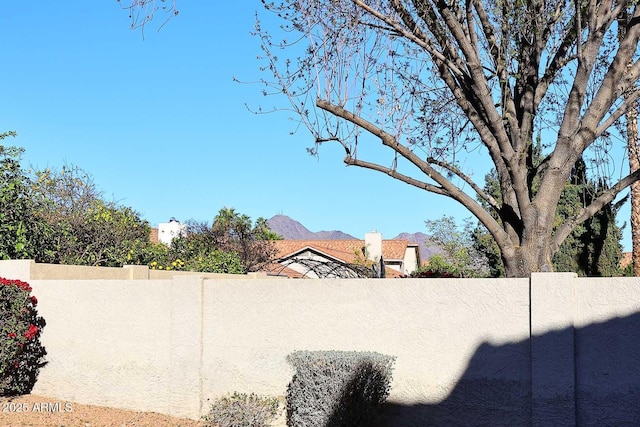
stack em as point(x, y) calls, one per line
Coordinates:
point(593, 248)
point(234, 232)
point(86, 229)
point(430, 81)
point(458, 256)
point(20, 227)
point(61, 217)
point(232, 244)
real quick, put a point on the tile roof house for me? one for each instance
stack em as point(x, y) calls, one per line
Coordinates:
point(344, 258)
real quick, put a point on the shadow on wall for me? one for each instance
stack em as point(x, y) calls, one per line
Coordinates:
point(596, 384)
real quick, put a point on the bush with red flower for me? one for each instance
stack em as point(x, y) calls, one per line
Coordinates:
point(21, 353)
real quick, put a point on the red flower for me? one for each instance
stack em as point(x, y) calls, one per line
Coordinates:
point(19, 283)
point(12, 334)
point(33, 330)
point(34, 300)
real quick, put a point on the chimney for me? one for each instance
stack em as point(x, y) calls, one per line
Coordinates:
point(373, 245)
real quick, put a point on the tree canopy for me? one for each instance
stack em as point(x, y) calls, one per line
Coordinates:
point(458, 256)
point(430, 81)
point(61, 217)
point(84, 228)
point(20, 229)
point(592, 249)
point(232, 244)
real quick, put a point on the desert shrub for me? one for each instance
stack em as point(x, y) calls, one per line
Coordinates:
point(242, 410)
point(334, 388)
point(21, 354)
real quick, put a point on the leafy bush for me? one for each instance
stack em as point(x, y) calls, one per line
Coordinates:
point(21, 354)
point(430, 272)
point(332, 388)
point(242, 410)
point(217, 261)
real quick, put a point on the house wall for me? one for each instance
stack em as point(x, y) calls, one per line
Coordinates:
point(410, 260)
point(397, 265)
point(167, 231)
point(550, 350)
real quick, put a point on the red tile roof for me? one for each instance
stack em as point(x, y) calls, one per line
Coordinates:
point(394, 249)
point(347, 251)
point(344, 250)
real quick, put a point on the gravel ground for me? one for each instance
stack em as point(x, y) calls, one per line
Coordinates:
point(38, 411)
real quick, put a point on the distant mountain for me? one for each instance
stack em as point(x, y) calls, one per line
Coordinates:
point(291, 229)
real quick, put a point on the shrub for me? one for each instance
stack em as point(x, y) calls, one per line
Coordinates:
point(21, 354)
point(428, 272)
point(332, 388)
point(243, 410)
point(217, 261)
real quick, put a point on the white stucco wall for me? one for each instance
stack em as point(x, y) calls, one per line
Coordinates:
point(134, 345)
point(464, 350)
point(403, 318)
point(607, 338)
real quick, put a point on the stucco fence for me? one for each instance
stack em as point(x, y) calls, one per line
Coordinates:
point(550, 350)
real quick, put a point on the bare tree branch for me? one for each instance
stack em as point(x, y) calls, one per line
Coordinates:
point(142, 12)
point(454, 170)
point(448, 77)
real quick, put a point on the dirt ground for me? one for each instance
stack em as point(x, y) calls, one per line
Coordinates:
point(37, 411)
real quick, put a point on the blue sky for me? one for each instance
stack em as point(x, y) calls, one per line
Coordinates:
point(162, 127)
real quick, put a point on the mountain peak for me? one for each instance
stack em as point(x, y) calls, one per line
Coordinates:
point(291, 229)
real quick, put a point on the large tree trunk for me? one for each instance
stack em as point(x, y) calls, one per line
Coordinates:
point(634, 165)
point(634, 161)
point(526, 259)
